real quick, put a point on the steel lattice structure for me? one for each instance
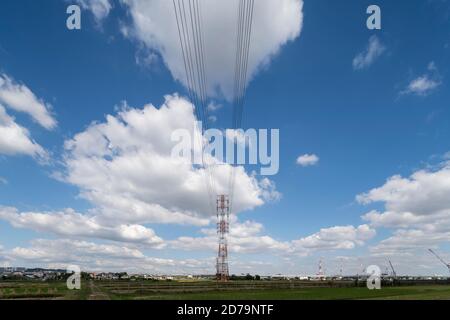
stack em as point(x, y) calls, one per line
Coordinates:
point(223, 216)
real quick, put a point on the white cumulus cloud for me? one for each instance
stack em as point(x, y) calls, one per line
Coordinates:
point(424, 193)
point(16, 140)
point(416, 207)
point(275, 24)
point(307, 160)
point(248, 237)
point(124, 167)
point(244, 237)
point(91, 256)
point(20, 98)
point(339, 237)
point(70, 223)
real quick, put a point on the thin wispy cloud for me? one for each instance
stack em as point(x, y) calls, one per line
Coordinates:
point(99, 8)
point(214, 106)
point(424, 84)
point(366, 58)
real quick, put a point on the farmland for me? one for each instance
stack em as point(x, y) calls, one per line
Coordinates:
point(240, 290)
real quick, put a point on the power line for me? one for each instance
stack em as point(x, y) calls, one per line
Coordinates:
point(188, 19)
point(189, 24)
point(244, 32)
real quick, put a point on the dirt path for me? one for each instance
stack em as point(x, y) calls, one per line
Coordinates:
point(96, 294)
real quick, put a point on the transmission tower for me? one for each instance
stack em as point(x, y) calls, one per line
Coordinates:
point(320, 273)
point(223, 215)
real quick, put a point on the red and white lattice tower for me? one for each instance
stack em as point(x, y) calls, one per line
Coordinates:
point(321, 273)
point(223, 216)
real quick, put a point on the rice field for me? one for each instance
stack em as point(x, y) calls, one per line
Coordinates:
point(209, 290)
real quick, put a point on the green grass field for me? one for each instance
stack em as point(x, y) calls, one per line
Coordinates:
point(150, 291)
point(403, 293)
point(40, 290)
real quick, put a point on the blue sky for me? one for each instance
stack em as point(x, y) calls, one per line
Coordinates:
point(390, 117)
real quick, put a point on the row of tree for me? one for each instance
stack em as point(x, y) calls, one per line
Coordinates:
point(248, 276)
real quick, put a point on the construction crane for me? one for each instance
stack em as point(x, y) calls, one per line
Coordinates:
point(394, 274)
point(440, 259)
